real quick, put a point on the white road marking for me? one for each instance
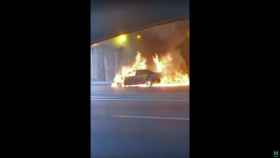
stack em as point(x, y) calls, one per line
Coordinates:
point(165, 99)
point(151, 117)
point(140, 100)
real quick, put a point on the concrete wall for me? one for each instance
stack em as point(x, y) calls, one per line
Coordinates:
point(97, 64)
point(106, 61)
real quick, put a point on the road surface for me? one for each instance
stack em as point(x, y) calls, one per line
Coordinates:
point(139, 122)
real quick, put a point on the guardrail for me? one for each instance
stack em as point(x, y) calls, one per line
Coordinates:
point(101, 82)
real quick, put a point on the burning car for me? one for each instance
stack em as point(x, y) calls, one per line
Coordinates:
point(164, 73)
point(143, 77)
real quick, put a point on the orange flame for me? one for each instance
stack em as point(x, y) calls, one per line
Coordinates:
point(126, 71)
point(169, 76)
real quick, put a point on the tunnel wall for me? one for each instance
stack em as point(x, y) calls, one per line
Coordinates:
point(103, 63)
point(106, 61)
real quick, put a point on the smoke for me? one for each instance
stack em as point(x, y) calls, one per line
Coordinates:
point(168, 38)
point(171, 38)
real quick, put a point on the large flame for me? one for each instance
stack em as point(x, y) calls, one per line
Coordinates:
point(170, 77)
point(126, 71)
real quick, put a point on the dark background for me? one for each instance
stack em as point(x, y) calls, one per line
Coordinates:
point(110, 18)
point(234, 79)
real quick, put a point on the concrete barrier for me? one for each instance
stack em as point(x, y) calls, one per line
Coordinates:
point(101, 82)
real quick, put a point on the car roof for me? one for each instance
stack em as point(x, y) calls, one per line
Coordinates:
point(143, 70)
point(146, 71)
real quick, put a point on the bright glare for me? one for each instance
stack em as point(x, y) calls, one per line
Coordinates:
point(121, 40)
point(138, 36)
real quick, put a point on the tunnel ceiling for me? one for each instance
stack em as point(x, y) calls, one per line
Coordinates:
point(112, 17)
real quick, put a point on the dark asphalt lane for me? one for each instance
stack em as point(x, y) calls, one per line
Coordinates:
point(129, 123)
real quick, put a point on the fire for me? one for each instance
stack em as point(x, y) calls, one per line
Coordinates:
point(170, 77)
point(126, 71)
point(162, 64)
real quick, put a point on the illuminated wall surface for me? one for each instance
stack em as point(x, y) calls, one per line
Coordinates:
point(108, 56)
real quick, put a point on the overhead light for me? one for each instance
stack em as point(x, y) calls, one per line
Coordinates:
point(138, 36)
point(121, 40)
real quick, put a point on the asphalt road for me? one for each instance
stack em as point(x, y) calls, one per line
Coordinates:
point(139, 122)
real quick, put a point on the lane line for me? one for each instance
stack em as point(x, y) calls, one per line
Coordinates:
point(167, 99)
point(147, 96)
point(151, 117)
point(156, 100)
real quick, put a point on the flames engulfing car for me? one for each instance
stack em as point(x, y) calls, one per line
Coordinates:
point(143, 77)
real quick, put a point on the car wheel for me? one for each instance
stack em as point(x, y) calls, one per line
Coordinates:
point(119, 85)
point(149, 83)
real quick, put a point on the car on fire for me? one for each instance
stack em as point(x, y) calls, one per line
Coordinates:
point(143, 77)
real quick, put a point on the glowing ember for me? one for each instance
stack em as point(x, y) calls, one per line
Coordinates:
point(170, 77)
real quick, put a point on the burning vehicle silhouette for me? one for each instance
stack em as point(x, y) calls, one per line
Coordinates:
point(143, 77)
point(164, 73)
